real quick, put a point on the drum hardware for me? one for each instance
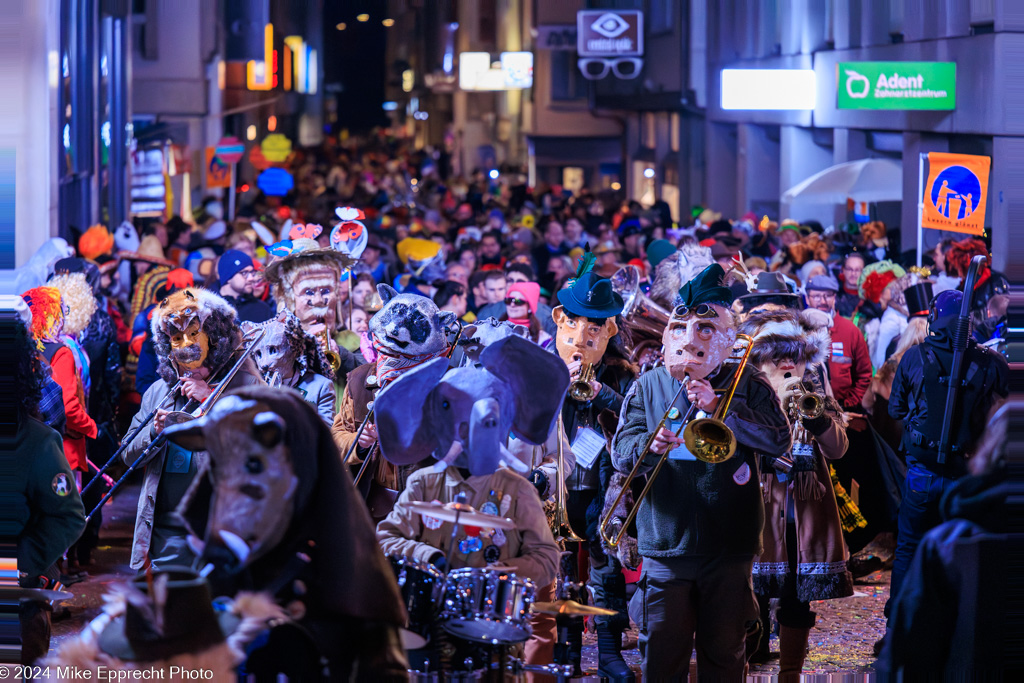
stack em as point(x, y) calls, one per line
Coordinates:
point(177, 417)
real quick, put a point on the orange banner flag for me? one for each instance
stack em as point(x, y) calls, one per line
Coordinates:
point(954, 197)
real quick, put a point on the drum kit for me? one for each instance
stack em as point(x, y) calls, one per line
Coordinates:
point(463, 624)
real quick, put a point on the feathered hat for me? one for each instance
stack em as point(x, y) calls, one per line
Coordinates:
point(782, 334)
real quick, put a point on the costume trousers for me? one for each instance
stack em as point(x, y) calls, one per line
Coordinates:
point(682, 601)
point(168, 546)
point(919, 514)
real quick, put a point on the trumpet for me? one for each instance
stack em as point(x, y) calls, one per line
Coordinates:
point(808, 404)
point(580, 389)
point(333, 359)
point(708, 439)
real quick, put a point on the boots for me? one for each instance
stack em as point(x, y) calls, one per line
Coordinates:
point(758, 651)
point(609, 655)
point(792, 650)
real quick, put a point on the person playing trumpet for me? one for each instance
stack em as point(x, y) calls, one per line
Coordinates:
point(587, 322)
point(196, 334)
point(804, 556)
point(699, 527)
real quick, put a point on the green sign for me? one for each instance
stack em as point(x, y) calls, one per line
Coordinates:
point(897, 85)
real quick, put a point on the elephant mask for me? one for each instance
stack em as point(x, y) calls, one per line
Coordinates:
point(470, 411)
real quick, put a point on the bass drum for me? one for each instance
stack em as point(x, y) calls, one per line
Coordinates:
point(422, 587)
point(487, 606)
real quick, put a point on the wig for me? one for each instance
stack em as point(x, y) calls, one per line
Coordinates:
point(46, 306)
point(958, 258)
point(95, 242)
point(76, 293)
point(217, 318)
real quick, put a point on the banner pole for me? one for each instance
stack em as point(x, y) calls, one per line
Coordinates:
point(920, 206)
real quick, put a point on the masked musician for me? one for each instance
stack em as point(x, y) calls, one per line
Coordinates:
point(288, 357)
point(197, 340)
point(463, 417)
point(804, 556)
point(587, 322)
point(408, 331)
point(699, 528)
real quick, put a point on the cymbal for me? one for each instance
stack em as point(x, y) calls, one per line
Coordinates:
point(466, 514)
point(571, 608)
point(35, 593)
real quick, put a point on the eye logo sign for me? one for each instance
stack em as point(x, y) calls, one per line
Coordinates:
point(610, 25)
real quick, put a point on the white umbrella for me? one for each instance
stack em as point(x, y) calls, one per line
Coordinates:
point(866, 180)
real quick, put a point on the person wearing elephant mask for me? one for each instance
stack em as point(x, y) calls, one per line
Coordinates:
point(587, 320)
point(699, 527)
point(462, 417)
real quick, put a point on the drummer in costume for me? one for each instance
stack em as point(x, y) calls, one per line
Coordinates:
point(462, 418)
point(196, 334)
point(587, 320)
point(804, 556)
point(700, 524)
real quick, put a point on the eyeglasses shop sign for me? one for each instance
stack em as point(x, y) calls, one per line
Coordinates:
point(897, 85)
point(610, 33)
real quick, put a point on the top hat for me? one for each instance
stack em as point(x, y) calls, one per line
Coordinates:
point(918, 298)
point(591, 296)
point(184, 621)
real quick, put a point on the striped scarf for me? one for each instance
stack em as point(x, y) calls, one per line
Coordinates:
point(849, 514)
point(391, 365)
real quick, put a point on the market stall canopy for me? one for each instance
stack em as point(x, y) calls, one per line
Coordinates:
point(866, 180)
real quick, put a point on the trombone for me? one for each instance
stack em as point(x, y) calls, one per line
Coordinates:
point(560, 527)
point(177, 417)
point(708, 439)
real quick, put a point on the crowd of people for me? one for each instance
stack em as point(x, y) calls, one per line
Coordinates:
point(478, 342)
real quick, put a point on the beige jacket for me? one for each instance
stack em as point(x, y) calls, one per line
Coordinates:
point(529, 550)
point(545, 458)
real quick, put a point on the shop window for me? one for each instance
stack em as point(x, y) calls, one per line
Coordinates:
point(566, 81)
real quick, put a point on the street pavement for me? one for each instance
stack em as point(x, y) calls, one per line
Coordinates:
point(840, 643)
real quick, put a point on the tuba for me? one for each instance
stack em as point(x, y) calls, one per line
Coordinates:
point(641, 316)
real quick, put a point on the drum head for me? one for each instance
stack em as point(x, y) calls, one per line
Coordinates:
point(412, 640)
point(485, 631)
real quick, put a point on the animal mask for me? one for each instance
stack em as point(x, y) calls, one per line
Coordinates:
point(189, 342)
point(475, 338)
point(697, 346)
point(315, 292)
point(181, 330)
point(288, 350)
point(350, 236)
point(580, 339)
point(469, 412)
point(407, 330)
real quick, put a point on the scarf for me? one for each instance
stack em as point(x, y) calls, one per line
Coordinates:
point(391, 365)
point(525, 322)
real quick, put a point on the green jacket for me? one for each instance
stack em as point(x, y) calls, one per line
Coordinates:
point(695, 508)
point(49, 516)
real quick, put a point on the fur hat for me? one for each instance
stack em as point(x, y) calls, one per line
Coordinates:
point(785, 334)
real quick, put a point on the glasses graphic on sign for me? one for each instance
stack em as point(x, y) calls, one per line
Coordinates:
point(596, 68)
point(956, 192)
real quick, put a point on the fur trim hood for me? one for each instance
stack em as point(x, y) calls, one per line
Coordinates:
point(786, 334)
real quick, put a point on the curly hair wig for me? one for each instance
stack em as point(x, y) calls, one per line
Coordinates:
point(958, 258)
point(76, 293)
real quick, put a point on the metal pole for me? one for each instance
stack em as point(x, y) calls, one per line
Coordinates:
point(118, 94)
point(231, 195)
point(920, 206)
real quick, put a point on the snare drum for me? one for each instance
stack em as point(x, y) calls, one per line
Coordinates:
point(488, 606)
point(421, 586)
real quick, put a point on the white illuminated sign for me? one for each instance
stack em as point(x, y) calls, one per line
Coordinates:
point(768, 89)
point(513, 71)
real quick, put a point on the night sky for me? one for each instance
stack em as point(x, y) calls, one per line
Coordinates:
point(355, 59)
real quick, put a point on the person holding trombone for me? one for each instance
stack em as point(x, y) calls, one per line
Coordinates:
point(699, 522)
point(199, 347)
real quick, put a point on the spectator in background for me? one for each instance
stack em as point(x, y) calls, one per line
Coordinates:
point(553, 245)
point(467, 258)
point(849, 366)
point(848, 301)
point(236, 273)
point(363, 287)
point(560, 269)
point(521, 303)
point(490, 251)
point(451, 296)
point(456, 272)
point(574, 235)
point(495, 286)
point(373, 259)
